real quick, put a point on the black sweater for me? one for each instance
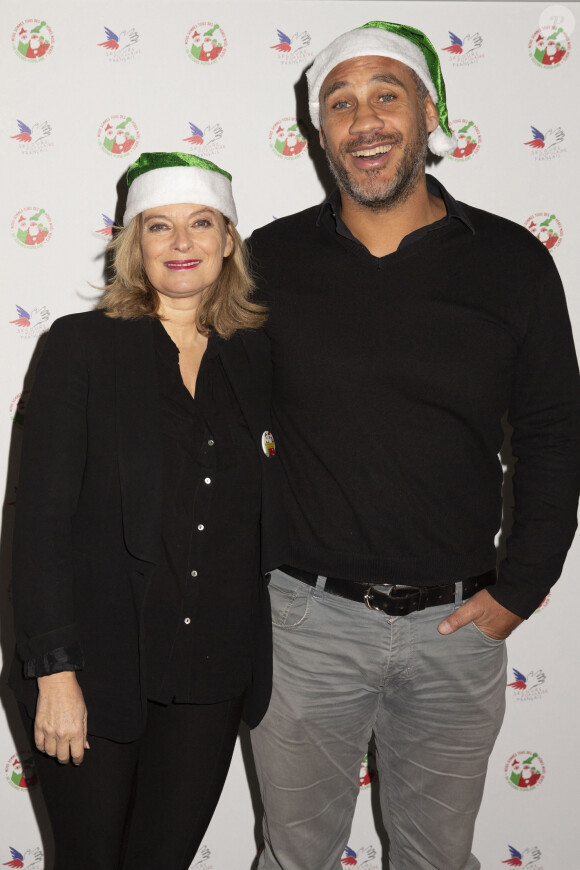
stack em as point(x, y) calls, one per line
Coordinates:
point(391, 378)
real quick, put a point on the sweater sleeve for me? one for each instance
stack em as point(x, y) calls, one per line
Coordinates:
point(544, 412)
point(52, 466)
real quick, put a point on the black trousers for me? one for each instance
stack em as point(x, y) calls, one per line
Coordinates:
point(147, 804)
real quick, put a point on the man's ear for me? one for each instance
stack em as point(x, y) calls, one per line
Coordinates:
point(321, 137)
point(431, 114)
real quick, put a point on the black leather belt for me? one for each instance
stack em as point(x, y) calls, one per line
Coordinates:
point(397, 600)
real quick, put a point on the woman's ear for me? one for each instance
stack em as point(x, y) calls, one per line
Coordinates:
point(230, 244)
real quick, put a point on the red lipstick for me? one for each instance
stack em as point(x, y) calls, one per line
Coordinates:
point(177, 265)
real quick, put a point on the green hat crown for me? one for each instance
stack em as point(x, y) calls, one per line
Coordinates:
point(164, 159)
point(424, 44)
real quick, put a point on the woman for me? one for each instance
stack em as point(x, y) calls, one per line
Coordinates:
point(148, 487)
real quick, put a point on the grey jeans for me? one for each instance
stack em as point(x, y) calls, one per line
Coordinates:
point(435, 704)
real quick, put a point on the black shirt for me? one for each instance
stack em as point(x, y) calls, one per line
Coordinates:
point(200, 605)
point(391, 378)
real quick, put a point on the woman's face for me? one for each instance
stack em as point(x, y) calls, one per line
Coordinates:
point(183, 247)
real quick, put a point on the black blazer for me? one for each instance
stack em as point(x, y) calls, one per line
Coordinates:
point(88, 515)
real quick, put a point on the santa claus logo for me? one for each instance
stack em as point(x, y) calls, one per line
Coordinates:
point(524, 771)
point(468, 139)
point(31, 227)
point(118, 135)
point(206, 43)
point(286, 140)
point(549, 47)
point(366, 776)
point(18, 407)
point(20, 772)
point(32, 40)
point(546, 228)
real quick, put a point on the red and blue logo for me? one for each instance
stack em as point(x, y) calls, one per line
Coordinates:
point(464, 50)
point(29, 860)
point(121, 47)
point(292, 49)
point(528, 687)
point(31, 324)
point(363, 857)
point(106, 231)
point(206, 142)
point(527, 858)
point(33, 138)
point(548, 145)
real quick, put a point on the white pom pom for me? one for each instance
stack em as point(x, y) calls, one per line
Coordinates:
point(440, 143)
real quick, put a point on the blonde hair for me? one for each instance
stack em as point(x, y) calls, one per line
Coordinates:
point(225, 307)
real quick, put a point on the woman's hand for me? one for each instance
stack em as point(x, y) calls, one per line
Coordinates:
point(60, 727)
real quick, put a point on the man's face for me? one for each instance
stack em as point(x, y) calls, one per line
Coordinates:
point(374, 130)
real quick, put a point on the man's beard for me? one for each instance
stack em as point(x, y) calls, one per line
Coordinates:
point(377, 194)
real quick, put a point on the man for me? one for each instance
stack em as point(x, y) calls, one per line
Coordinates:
point(391, 376)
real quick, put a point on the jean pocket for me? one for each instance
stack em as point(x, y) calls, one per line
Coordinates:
point(492, 641)
point(289, 606)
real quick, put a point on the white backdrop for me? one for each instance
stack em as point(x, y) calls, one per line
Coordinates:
point(86, 88)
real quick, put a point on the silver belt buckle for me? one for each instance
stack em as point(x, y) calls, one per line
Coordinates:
point(386, 595)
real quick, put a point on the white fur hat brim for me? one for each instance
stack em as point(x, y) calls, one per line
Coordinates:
point(171, 185)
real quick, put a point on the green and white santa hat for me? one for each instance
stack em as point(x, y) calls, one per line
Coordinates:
point(399, 42)
point(165, 178)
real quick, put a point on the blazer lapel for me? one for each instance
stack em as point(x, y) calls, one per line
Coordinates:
point(139, 437)
point(246, 360)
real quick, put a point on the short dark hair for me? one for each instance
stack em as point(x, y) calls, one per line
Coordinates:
point(420, 85)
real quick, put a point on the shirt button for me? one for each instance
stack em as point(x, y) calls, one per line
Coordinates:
point(207, 480)
point(187, 620)
point(194, 573)
point(201, 527)
point(211, 442)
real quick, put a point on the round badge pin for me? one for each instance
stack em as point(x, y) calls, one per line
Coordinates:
point(268, 444)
